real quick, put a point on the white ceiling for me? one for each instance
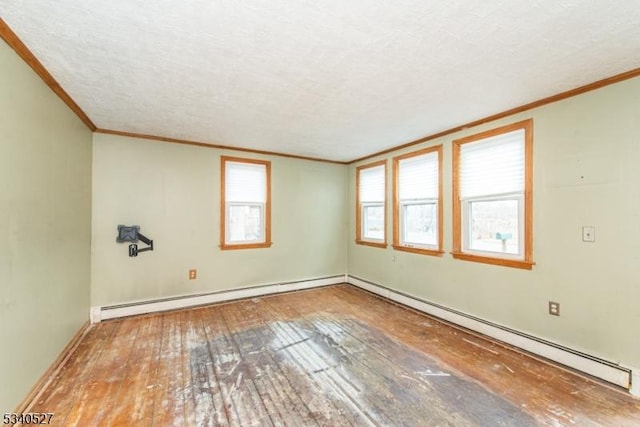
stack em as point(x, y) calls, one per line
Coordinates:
point(335, 79)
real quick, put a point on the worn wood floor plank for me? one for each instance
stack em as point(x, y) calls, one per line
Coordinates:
point(292, 363)
point(262, 408)
point(210, 409)
point(188, 326)
point(291, 404)
point(117, 403)
point(225, 362)
point(283, 405)
point(540, 388)
point(335, 366)
point(134, 400)
point(65, 388)
point(98, 399)
point(330, 356)
point(399, 383)
point(168, 396)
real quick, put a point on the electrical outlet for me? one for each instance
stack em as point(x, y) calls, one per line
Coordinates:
point(588, 234)
point(554, 308)
point(193, 273)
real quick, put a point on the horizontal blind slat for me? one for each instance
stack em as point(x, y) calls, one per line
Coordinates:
point(245, 182)
point(372, 184)
point(493, 165)
point(418, 177)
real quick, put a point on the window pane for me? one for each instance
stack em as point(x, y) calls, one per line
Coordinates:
point(419, 224)
point(245, 223)
point(494, 226)
point(373, 222)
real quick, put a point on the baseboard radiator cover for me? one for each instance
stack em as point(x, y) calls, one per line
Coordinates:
point(98, 314)
point(611, 372)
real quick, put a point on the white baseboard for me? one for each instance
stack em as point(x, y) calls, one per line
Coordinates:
point(97, 314)
point(94, 315)
point(635, 383)
point(594, 366)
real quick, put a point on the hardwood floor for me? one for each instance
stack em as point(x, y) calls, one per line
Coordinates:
point(329, 356)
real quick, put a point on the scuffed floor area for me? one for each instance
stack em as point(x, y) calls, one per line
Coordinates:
point(330, 356)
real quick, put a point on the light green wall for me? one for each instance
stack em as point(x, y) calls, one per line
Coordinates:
point(173, 192)
point(586, 172)
point(45, 214)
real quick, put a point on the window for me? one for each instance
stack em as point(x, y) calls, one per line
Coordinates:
point(371, 218)
point(417, 201)
point(246, 203)
point(492, 193)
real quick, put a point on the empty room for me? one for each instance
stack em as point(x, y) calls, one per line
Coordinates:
point(320, 213)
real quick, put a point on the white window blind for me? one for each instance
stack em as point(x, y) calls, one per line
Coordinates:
point(245, 182)
point(493, 165)
point(418, 177)
point(372, 184)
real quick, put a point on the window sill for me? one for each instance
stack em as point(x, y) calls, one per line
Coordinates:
point(245, 246)
point(505, 262)
point(374, 244)
point(432, 252)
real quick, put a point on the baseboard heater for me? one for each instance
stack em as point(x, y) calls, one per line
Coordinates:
point(611, 372)
point(97, 314)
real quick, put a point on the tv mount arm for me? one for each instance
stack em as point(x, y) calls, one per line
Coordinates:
point(132, 234)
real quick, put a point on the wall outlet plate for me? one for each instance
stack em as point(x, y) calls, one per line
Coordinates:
point(193, 273)
point(554, 308)
point(588, 233)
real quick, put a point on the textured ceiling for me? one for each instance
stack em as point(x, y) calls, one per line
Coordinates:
point(332, 79)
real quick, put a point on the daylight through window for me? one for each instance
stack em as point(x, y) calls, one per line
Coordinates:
point(371, 207)
point(492, 196)
point(417, 201)
point(245, 203)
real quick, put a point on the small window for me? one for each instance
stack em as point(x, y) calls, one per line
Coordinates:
point(417, 191)
point(371, 218)
point(492, 190)
point(246, 204)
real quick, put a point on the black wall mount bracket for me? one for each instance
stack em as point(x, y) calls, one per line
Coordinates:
point(132, 234)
